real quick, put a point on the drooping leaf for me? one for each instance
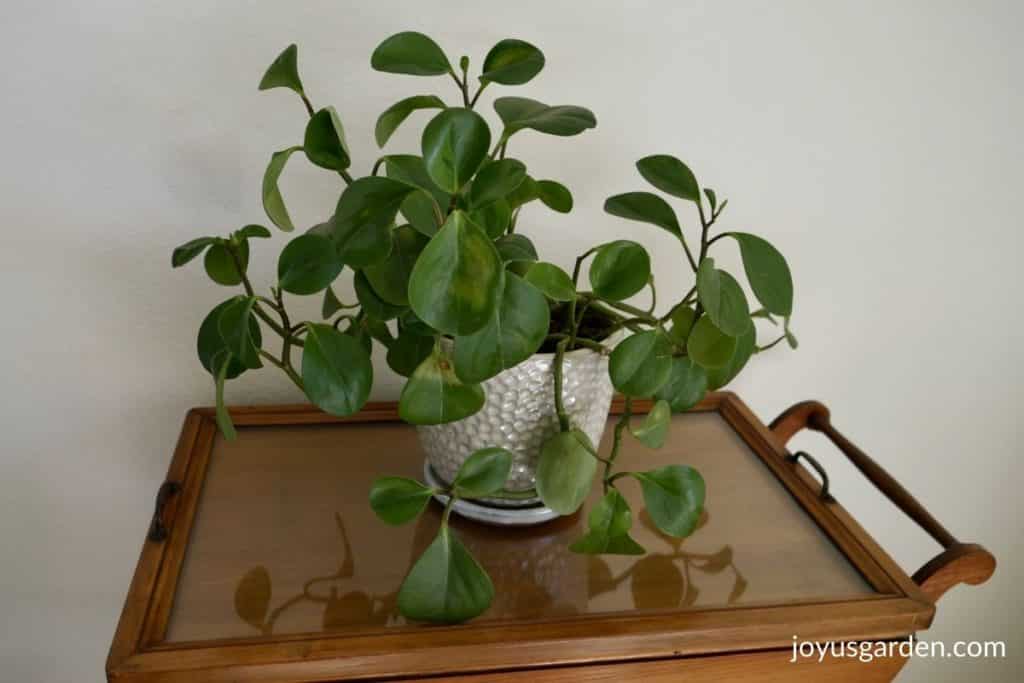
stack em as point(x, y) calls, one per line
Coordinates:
point(515, 247)
point(371, 301)
point(273, 202)
point(454, 144)
point(408, 351)
point(240, 331)
point(410, 53)
point(669, 174)
point(324, 142)
point(253, 230)
point(641, 364)
point(518, 113)
point(434, 395)
point(222, 363)
point(493, 217)
point(210, 346)
point(361, 226)
point(723, 299)
point(496, 180)
point(654, 430)
point(619, 270)
point(331, 303)
point(790, 337)
point(745, 345)
point(307, 264)
point(767, 273)
point(609, 524)
point(512, 62)
point(390, 277)
point(515, 332)
point(483, 473)
point(554, 282)
point(394, 115)
point(221, 266)
point(188, 251)
point(457, 280)
point(646, 207)
point(565, 471)
point(708, 346)
point(336, 370)
point(555, 195)
point(283, 72)
point(397, 500)
point(446, 585)
point(686, 386)
point(682, 322)
point(674, 496)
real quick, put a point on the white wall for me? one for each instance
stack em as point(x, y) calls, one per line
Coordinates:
point(877, 144)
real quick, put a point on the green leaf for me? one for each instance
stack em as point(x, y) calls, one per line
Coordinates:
point(723, 299)
point(708, 346)
point(554, 195)
point(307, 265)
point(512, 62)
point(324, 142)
point(493, 218)
point(518, 113)
point(190, 250)
point(418, 209)
point(515, 247)
point(412, 170)
point(645, 207)
point(496, 180)
point(240, 331)
point(790, 337)
point(712, 198)
point(619, 270)
point(515, 332)
point(654, 430)
point(609, 522)
point(674, 496)
point(686, 386)
point(554, 282)
point(361, 225)
point(408, 351)
point(227, 427)
point(273, 202)
point(767, 273)
point(397, 500)
point(745, 345)
point(669, 174)
point(565, 471)
point(434, 395)
point(524, 194)
point(221, 266)
point(457, 280)
point(210, 346)
point(331, 303)
point(336, 370)
point(446, 585)
point(398, 112)
point(284, 71)
point(390, 277)
point(454, 144)
point(410, 53)
point(483, 473)
point(682, 322)
point(253, 230)
point(641, 364)
point(371, 301)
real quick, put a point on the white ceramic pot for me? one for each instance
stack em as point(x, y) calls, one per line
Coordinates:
point(519, 414)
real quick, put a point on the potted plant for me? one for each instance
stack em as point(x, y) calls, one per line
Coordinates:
point(511, 360)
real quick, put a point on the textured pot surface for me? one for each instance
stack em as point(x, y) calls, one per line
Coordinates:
point(519, 414)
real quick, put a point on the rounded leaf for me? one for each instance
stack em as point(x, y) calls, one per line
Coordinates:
point(682, 319)
point(408, 351)
point(555, 195)
point(515, 247)
point(336, 370)
point(221, 266)
point(686, 385)
point(324, 141)
point(240, 331)
point(641, 364)
point(483, 473)
point(654, 429)
point(361, 225)
point(767, 273)
point(397, 500)
point(410, 53)
point(496, 180)
point(565, 472)
point(434, 395)
point(390, 277)
point(446, 585)
point(645, 207)
point(188, 251)
point(708, 346)
point(394, 115)
point(619, 270)
point(674, 496)
point(370, 300)
point(493, 217)
point(307, 265)
point(454, 144)
point(518, 113)
point(745, 345)
point(211, 347)
point(554, 282)
point(456, 283)
point(723, 299)
point(609, 524)
point(512, 62)
point(669, 174)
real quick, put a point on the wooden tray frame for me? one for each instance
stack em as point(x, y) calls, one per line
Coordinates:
point(138, 652)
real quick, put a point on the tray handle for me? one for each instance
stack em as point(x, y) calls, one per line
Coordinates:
point(957, 563)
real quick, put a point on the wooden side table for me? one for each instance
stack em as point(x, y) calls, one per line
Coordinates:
point(264, 562)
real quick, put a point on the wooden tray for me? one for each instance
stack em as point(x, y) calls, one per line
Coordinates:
point(264, 562)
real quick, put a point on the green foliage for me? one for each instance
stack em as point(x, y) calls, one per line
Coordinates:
point(446, 585)
point(240, 332)
point(435, 395)
point(723, 299)
point(454, 144)
point(496, 180)
point(410, 53)
point(654, 430)
point(565, 471)
point(512, 62)
point(668, 174)
point(336, 370)
point(518, 113)
point(619, 270)
point(554, 282)
point(308, 264)
point(767, 273)
point(222, 262)
point(397, 500)
point(609, 524)
point(483, 473)
point(393, 116)
point(284, 71)
point(708, 346)
point(645, 207)
point(641, 364)
point(674, 496)
point(390, 277)
point(686, 384)
point(324, 142)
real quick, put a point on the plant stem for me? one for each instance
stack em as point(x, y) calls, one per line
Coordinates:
point(462, 88)
point(583, 342)
point(772, 344)
point(632, 310)
point(288, 370)
point(654, 296)
point(620, 426)
point(563, 417)
point(476, 96)
point(448, 509)
point(309, 105)
point(689, 254)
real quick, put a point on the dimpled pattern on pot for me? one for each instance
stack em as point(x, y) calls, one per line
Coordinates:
point(519, 414)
